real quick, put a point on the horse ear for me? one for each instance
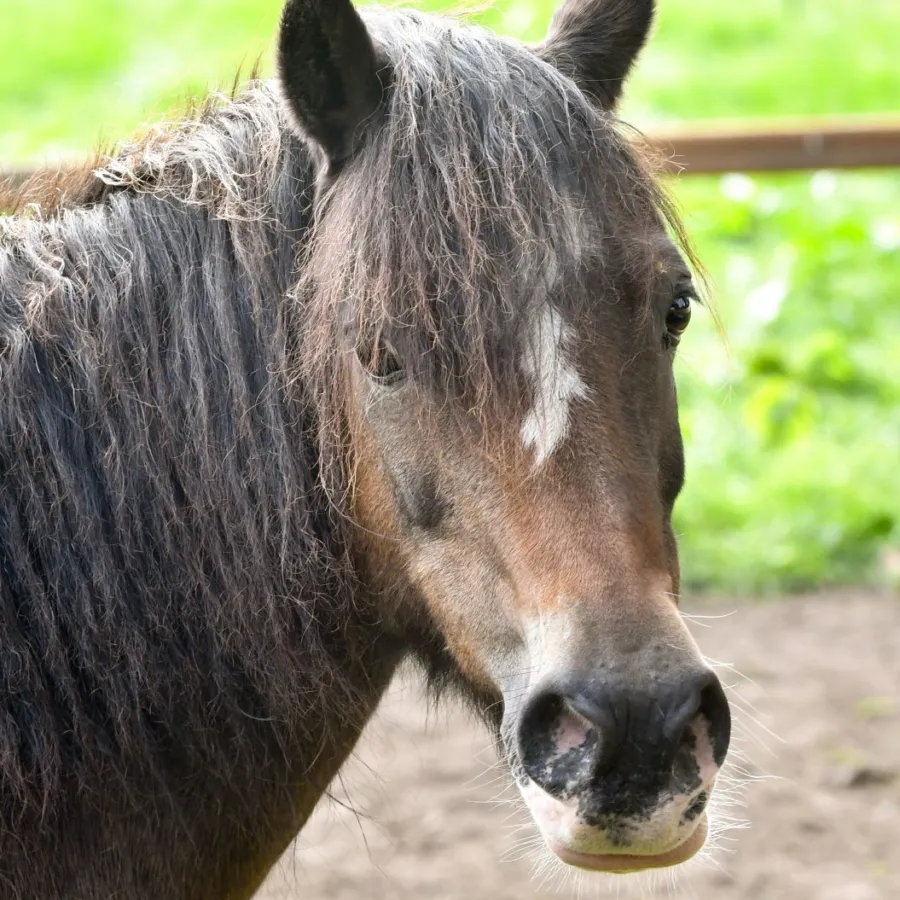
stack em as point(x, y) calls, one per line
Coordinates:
point(595, 43)
point(329, 72)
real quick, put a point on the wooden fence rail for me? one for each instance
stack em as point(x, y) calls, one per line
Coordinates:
point(781, 145)
point(775, 146)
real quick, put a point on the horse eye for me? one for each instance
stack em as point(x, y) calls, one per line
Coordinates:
point(381, 363)
point(677, 318)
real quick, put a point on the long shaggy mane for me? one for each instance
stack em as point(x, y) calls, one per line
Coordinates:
point(170, 575)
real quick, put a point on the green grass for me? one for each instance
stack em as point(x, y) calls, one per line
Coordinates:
point(105, 66)
point(74, 73)
point(793, 433)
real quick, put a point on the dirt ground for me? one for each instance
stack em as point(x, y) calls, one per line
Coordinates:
point(821, 677)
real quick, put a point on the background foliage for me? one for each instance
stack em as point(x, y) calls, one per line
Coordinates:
point(793, 422)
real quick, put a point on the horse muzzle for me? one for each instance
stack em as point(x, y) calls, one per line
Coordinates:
point(617, 774)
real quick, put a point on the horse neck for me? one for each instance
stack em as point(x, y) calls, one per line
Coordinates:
point(182, 543)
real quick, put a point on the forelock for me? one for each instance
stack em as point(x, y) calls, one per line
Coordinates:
point(488, 186)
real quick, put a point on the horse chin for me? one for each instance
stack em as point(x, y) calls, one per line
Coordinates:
point(666, 837)
point(629, 863)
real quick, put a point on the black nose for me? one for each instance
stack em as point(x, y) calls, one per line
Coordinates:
point(579, 731)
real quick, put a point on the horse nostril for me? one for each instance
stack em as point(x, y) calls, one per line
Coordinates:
point(714, 708)
point(556, 743)
point(702, 699)
point(537, 726)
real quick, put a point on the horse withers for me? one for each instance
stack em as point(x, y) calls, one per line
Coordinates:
point(370, 363)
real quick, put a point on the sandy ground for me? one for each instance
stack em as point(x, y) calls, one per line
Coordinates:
point(822, 674)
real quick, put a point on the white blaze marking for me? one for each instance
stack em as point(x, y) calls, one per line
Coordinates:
point(556, 383)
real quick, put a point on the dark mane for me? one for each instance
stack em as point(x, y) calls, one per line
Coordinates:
point(164, 545)
point(172, 331)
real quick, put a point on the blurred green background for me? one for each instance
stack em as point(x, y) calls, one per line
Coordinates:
point(793, 422)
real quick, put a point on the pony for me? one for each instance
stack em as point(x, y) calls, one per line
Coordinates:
point(367, 363)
